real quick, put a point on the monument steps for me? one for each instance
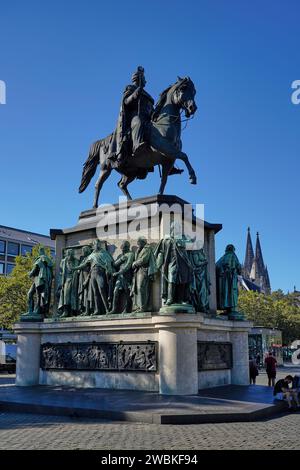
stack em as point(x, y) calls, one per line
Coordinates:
point(231, 403)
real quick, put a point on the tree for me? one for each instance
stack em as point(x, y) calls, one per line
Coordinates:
point(276, 310)
point(14, 289)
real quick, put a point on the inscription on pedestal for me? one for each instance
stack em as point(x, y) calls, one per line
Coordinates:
point(214, 355)
point(100, 356)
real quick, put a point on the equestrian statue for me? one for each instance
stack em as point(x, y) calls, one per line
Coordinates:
point(145, 136)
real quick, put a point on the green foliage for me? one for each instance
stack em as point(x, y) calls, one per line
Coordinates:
point(276, 310)
point(14, 288)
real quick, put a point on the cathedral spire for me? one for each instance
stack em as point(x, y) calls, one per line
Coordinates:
point(254, 269)
point(249, 256)
point(259, 257)
point(267, 281)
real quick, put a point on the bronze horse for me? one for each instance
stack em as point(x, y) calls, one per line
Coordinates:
point(164, 144)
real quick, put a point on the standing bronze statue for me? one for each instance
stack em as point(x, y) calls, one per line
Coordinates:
point(121, 295)
point(176, 268)
point(39, 293)
point(144, 268)
point(200, 287)
point(68, 285)
point(228, 268)
point(100, 262)
point(144, 137)
point(85, 297)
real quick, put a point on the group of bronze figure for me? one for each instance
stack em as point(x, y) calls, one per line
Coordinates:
point(97, 284)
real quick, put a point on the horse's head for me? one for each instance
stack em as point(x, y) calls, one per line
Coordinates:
point(184, 95)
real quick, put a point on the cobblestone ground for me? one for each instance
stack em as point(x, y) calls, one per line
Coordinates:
point(27, 431)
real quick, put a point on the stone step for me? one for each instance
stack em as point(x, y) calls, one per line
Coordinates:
point(217, 405)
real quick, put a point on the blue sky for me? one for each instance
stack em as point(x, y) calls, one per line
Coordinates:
point(65, 65)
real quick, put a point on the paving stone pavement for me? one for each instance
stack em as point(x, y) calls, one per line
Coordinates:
point(28, 431)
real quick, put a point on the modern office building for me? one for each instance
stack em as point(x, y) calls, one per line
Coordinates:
point(14, 242)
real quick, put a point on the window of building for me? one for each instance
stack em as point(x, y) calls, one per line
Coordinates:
point(2, 246)
point(52, 253)
point(2, 268)
point(13, 248)
point(25, 249)
point(9, 268)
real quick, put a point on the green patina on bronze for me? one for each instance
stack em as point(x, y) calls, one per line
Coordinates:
point(122, 302)
point(144, 268)
point(200, 286)
point(228, 268)
point(68, 285)
point(101, 266)
point(177, 270)
point(40, 291)
point(94, 284)
point(85, 294)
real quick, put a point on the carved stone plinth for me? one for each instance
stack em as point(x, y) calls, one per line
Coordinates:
point(150, 352)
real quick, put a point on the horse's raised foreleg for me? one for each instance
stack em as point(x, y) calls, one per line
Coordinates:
point(183, 156)
point(104, 174)
point(123, 183)
point(166, 167)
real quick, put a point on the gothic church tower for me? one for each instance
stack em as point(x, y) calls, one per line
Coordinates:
point(254, 269)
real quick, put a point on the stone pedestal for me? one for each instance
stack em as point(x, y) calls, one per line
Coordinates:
point(234, 334)
point(28, 355)
point(175, 339)
point(240, 353)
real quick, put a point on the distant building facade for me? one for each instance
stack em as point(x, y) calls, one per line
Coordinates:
point(255, 274)
point(263, 340)
point(14, 242)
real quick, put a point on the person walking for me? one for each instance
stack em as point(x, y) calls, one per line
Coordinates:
point(253, 370)
point(270, 364)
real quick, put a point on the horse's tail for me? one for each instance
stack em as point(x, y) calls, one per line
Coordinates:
point(90, 166)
